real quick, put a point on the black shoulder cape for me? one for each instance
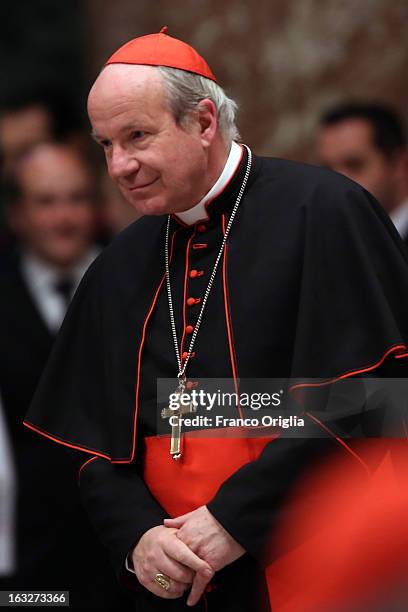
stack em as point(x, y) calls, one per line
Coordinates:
point(315, 278)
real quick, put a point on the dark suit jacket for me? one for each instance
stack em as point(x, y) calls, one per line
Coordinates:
point(56, 547)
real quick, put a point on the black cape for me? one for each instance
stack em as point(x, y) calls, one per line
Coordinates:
point(317, 283)
point(313, 284)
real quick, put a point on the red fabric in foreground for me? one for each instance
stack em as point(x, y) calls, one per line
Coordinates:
point(347, 533)
point(345, 526)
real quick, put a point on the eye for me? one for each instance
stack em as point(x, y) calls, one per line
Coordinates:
point(105, 143)
point(355, 164)
point(137, 135)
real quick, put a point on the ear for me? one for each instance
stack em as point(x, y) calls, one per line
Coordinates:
point(400, 164)
point(207, 118)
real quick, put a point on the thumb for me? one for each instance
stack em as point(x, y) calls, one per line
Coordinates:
point(176, 522)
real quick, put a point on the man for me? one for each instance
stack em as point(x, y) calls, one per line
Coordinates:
point(29, 117)
point(53, 215)
point(367, 143)
point(235, 278)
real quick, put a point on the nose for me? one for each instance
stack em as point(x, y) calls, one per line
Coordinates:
point(121, 163)
point(66, 210)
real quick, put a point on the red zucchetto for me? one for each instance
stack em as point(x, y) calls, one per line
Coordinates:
point(162, 50)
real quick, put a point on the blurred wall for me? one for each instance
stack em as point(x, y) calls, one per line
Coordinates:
point(41, 52)
point(284, 61)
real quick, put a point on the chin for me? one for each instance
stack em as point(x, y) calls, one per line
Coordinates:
point(151, 206)
point(61, 259)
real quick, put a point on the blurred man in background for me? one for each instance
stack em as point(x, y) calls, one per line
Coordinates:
point(30, 116)
point(367, 143)
point(53, 215)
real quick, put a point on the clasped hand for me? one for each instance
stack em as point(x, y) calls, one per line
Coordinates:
point(189, 549)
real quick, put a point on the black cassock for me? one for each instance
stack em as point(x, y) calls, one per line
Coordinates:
point(313, 284)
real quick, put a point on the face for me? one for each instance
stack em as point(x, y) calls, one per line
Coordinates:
point(348, 148)
point(159, 166)
point(55, 217)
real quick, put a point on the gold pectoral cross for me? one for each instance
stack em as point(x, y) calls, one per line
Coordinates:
point(176, 412)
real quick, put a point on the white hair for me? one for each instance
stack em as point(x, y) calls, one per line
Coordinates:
point(185, 90)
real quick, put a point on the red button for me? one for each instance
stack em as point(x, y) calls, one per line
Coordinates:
point(201, 228)
point(191, 301)
point(185, 355)
point(191, 384)
point(189, 329)
point(195, 273)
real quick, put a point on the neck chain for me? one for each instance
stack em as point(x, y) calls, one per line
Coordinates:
point(182, 367)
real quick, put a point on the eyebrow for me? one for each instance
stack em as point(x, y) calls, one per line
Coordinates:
point(96, 136)
point(125, 128)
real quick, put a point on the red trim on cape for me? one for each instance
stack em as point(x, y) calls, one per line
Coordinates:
point(339, 440)
point(83, 465)
point(140, 358)
point(104, 456)
point(91, 450)
point(228, 320)
point(60, 441)
point(329, 381)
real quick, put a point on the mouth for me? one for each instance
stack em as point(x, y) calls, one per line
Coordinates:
point(140, 187)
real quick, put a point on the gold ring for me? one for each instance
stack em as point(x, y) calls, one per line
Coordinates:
point(163, 581)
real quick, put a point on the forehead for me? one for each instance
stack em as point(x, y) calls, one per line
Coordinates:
point(121, 89)
point(47, 166)
point(353, 133)
point(25, 124)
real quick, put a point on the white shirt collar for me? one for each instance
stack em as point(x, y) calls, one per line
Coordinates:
point(40, 274)
point(399, 217)
point(199, 211)
point(40, 277)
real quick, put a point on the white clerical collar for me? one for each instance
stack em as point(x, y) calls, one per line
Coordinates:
point(399, 217)
point(199, 211)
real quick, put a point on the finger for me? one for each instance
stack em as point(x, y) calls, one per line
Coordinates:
point(175, 522)
point(189, 540)
point(176, 549)
point(175, 570)
point(177, 519)
point(175, 591)
point(200, 582)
